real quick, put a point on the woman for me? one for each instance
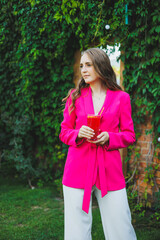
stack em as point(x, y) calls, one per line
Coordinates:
point(95, 166)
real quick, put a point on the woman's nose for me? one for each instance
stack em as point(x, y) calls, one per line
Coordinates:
point(83, 69)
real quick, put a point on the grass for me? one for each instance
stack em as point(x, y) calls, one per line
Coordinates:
point(27, 214)
point(30, 214)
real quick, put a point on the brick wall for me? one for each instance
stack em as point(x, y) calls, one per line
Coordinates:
point(145, 148)
point(147, 177)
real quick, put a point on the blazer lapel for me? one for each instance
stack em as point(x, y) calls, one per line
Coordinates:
point(107, 102)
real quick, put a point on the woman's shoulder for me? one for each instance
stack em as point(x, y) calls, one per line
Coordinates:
point(73, 93)
point(72, 90)
point(83, 92)
point(120, 93)
point(120, 96)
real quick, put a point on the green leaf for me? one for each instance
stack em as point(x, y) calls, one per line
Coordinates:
point(157, 29)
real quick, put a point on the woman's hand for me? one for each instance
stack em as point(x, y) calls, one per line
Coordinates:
point(102, 138)
point(85, 132)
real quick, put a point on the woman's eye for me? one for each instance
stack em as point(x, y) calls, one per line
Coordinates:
point(89, 64)
point(86, 65)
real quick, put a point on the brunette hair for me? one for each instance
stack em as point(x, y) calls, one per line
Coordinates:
point(102, 66)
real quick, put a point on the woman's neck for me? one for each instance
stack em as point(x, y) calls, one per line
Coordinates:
point(97, 88)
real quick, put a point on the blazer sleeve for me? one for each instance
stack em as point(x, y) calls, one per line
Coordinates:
point(68, 133)
point(126, 136)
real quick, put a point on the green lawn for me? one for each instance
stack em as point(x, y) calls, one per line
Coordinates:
point(38, 214)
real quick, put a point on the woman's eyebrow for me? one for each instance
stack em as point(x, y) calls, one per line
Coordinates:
point(86, 63)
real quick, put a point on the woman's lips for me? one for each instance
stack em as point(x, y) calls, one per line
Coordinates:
point(86, 76)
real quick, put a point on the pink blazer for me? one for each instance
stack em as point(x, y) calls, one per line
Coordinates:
point(89, 164)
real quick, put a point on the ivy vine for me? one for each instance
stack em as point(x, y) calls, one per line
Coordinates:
point(38, 40)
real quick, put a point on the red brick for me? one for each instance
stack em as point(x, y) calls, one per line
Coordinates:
point(143, 165)
point(143, 184)
point(143, 144)
point(149, 125)
point(142, 158)
point(157, 174)
point(132, 157)
point(146, 125)
point(156, 160)
point(145, 138)
point(149, 190)
point(158, 151)
point(141, 171)
point(144, 151)
point(131, 161)
point(158, 181)
point(148, 158)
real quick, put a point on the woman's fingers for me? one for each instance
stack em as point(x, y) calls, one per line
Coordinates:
point(102, 138)
point(101, 135)
point(86, 132)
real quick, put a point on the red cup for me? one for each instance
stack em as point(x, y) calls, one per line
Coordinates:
point(93, 121)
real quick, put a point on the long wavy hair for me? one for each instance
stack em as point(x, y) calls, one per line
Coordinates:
point(102, 66)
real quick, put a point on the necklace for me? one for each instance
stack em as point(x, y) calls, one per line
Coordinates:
point(98, 102)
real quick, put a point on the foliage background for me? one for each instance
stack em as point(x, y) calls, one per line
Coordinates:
point(38, 40)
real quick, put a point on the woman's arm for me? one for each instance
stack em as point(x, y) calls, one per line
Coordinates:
point(69, 135)
point(126, 136)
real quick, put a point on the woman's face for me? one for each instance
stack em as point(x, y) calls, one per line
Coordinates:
point(87, 69)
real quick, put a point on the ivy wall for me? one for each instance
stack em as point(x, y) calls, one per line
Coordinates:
point(38, 40)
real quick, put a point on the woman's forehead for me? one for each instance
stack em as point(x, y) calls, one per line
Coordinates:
point(85, 58)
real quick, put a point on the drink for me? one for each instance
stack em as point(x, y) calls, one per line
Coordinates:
point(93, 121)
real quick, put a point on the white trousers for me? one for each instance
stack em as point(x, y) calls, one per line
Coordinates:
point(114, 210)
